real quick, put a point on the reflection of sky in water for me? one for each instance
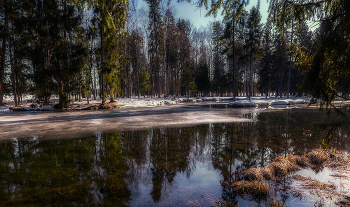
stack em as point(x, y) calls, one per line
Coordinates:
point(184, 190)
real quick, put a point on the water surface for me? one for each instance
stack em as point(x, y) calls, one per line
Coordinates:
point(165, 166)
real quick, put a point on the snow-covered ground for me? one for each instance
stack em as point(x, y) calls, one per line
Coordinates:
point(27, 102)
point(155, 112)
point(270, 101)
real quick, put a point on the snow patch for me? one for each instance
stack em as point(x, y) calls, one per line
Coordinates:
point(261, 101)
point(133, 102)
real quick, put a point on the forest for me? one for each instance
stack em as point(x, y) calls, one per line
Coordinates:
point(109, 49)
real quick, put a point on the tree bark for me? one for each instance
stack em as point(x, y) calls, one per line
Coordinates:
point(80, 92)
point(13, 79)
point(233, 56)
point(2, 70)
point(290, 64)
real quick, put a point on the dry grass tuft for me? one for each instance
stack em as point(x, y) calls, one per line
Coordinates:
point(282, 167)
point(92, 107)
point(109, 106)
point(317, 157)
point(279, 167)
point(302, 161)
point(266, 173)
point(252, 174)
point(257, 188)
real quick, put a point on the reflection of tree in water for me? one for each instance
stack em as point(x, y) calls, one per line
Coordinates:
point(135, 155)
point(116, 190)
point(169, 154)
point(163, 153)
point(63, 172)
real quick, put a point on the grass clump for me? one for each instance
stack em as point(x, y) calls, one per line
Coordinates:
point(279, 167)
point(317, 157)
point(252, 174)
point(256, 182)
point(257, 189)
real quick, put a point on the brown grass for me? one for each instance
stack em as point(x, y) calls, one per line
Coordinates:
point(316, 184)
point(252, 174)
point(318, 188)
point(257, 188)
point(317, 157)
point(266, 173)
point(255, 180)
point(302, 161)
point(279, 167)
point(109, 106)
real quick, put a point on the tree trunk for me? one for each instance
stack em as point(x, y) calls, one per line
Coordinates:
point(2, 70)
point(233, 56)
point(61, 95)
point(102, 92)
point(80, 92)
point(290, 64)
point(250, 79)
point(158, 84)
point(281, 89)
point(13, 79)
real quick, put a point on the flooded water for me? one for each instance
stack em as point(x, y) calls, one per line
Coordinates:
point(177, 166)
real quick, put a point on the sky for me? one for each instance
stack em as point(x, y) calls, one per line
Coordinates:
point(196, 15)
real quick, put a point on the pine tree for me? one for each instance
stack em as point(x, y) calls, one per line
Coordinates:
point(252, 43)
point(171, 52)
point(112, 19)
point(280, 64)
point(144, 82)
point(137, 57)
point(202, 76)
point(185, 64)
point(155, 43)
point(265, 71)
point(218, 63)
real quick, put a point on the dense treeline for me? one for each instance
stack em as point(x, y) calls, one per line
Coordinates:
point(90, 48)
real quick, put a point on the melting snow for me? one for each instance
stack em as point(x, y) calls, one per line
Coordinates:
point(135, 102)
